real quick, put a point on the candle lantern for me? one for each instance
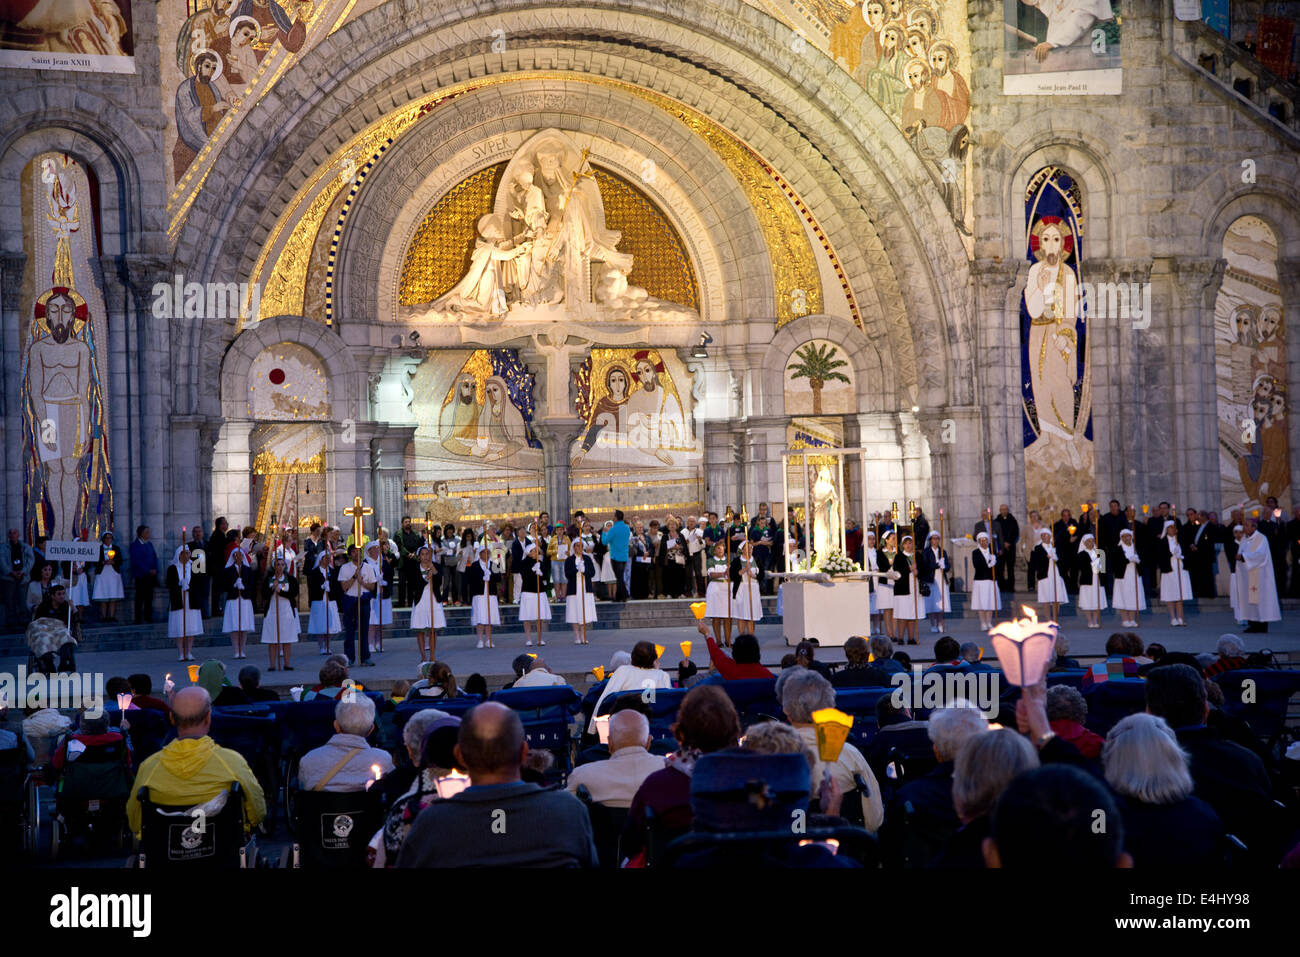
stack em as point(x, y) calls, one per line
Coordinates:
point(1025, 648)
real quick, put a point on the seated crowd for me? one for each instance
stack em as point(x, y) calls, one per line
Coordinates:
point(1181, 783)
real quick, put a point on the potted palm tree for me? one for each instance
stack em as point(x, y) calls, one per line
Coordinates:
point(817, 364)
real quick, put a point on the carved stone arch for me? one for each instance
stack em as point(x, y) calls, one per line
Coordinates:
point(727, 254)
point(1104, 232)
point(1265, 199)
point(347, 393)
point(874, 379)
point(74, 125)
point(838, 149)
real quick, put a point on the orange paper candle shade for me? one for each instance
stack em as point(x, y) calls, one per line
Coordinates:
point(833, 727)
point(599, 672)
point(697, 609)
point(659, 651)
point(686, 649)
point(531, 655)
point(194, 674)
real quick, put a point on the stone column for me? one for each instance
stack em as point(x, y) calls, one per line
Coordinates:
point(997, 309)
point(557, 436)
point(1288, 278)
point(348, 473)
point(150, 360)
point(388, 473)
point(12, 266)
point(231, 471)
point(1195, 289)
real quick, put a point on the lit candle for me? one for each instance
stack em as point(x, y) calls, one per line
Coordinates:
point(123, 701)
point(1025, 648)
point(376, 771)
point(686, 649)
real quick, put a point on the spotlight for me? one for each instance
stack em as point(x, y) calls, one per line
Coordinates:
point(700, 352)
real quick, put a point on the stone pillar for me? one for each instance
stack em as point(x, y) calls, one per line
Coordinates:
point(957, 465)
point(1288, 278)
point(1195, 289)
point(388, 473)
point(12, 266)
point(997, 308)
point(557, 436)
point(348, 474)
point(150, 361)
point(231, 471)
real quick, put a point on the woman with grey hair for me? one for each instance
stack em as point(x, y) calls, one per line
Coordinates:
point(1165, 825)
point(1231, 653)
point(985, 765)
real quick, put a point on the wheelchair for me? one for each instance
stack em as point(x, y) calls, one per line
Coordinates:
point(90, 798)
point(332, 829)
point(174, 836)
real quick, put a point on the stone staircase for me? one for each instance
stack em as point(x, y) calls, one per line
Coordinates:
point(666, 613)
point(1272, 99)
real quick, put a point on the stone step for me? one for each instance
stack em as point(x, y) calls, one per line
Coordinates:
point(665, 613)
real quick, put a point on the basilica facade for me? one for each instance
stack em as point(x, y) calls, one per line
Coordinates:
point(472, 260)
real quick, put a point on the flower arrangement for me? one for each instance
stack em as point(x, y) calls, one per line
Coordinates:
point(836, 563)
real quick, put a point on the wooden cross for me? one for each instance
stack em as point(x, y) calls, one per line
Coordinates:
point(358, 513)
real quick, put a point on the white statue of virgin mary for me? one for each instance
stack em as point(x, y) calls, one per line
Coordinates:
point(825, 514)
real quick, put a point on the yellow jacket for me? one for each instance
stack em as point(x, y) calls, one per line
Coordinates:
point(190, 771)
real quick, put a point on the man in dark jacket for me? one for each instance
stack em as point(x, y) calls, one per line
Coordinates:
point(499, 820)
point(1008, 530)
point(216, 557)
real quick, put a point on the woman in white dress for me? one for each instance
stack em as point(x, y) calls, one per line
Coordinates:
point(534, 603)
point(280, 628)
point(241, 582)
point(885, 588)
point(1175, 583)
point(79, 591)
point(1127, 595)
point(985, 597)
point(717, 597)
point(580, 603)
point(108, 578)
point(909, 603)
point(871, 563)
point(426, 614)
point(183, 622)
point(485, 613)
point(934, 561)
point(322, 585)
point(746, 599)
point(382, 572)
point(1046, 571)
point(1237, 574)
point(1091, 567)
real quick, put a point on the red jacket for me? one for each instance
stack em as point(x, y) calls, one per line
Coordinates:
point(729, 668)
point(1087, 743)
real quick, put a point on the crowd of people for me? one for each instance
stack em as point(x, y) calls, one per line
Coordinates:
point(1113, 560)
point(1180, 784)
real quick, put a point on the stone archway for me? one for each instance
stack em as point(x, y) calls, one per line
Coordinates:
point(749, 83)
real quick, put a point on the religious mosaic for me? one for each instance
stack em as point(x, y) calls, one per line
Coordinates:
point(818, 379)
point(68, 486)
point(287, 381)
point(1056, 383)
point(912, 57)
point(635, 414)
point(475, 409)
point(1250, 371)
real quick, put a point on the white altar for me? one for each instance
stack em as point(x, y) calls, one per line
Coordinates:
point(832, 612)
